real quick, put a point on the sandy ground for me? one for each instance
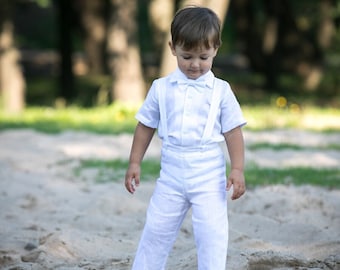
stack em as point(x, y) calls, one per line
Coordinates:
point(50, 219)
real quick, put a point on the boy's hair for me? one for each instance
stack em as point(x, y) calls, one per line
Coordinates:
point(194, 27)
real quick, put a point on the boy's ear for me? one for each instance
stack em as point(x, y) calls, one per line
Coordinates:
point(215, 52)
point(172, 48)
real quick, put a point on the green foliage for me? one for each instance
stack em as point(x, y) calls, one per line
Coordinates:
point(107, 120)
point(119, 118)
point(292, 116)
point(41, 91)
point(94, 90)
point(36, 25)
point(43, 3)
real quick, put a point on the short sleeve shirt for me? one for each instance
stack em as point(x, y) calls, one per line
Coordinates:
point(187, 109)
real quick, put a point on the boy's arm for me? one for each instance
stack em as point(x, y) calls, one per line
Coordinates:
point(141, 141)
point(235, 144)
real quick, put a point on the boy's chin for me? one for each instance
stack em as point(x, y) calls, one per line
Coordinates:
point(193, 75)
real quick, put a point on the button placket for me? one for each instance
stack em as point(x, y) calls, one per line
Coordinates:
point(187, 113)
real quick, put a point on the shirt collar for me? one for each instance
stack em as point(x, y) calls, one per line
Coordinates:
point(207, 78)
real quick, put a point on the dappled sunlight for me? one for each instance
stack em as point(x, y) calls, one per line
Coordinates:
point(319, 122)
point(291, 136)
point(289, 158)
point(67, 145)
point(94, 147)
point(291, 116)
point(315, 149)
point(281, 102)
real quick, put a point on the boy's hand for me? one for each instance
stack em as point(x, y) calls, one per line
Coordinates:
point(132, 178)
point(236, 179)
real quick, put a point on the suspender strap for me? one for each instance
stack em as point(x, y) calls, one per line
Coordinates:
point(214, 108)
point(162, 108)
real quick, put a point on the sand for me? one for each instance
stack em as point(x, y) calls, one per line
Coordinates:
point(50, 218)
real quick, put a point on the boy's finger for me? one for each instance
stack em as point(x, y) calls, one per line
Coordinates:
point(229, 184)
point(238, 192)
point(129, 185)
point(136, 181)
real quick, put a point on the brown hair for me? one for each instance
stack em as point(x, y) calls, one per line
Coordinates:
point(194, 27)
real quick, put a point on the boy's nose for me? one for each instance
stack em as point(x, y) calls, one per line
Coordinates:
point(194, 63)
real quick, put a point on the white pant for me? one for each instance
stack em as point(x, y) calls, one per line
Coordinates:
point(190, 179)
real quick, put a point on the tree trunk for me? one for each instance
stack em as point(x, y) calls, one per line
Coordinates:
point(248, 40)
point(220, 7)
point(94, 25)
point(67, 90)
point(12, 82)
point(123, 53)
point(270, 43)
point(327, 28)
point(326, 32)
point(160, 14)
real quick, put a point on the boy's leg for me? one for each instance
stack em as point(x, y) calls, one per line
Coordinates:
point(165, 214)
point(210, 224)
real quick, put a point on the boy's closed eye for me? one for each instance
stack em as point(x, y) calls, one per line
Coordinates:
point(190, 57)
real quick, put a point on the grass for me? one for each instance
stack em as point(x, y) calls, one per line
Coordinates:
point(284, 146)
point(307, 118)
point(103, 120)
point(114, 170)
point(328, 178)
point(118, 118)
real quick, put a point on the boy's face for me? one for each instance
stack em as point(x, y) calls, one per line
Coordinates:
point(195, 62)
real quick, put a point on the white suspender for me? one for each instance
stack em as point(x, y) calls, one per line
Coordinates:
point(214, 108)
point(161, 85)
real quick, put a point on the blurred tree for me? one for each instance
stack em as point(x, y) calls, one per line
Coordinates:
point(280, 36)
point(325, 32)
point(160, 14)
point(93, 20)
point(124, 54)
point(220, 7)
point(12, 82)
point(278, 16)
point(65, 14)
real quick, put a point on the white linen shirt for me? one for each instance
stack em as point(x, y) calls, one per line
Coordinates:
point(187, 109)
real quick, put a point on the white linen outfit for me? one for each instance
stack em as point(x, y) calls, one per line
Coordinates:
point(191, 117)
